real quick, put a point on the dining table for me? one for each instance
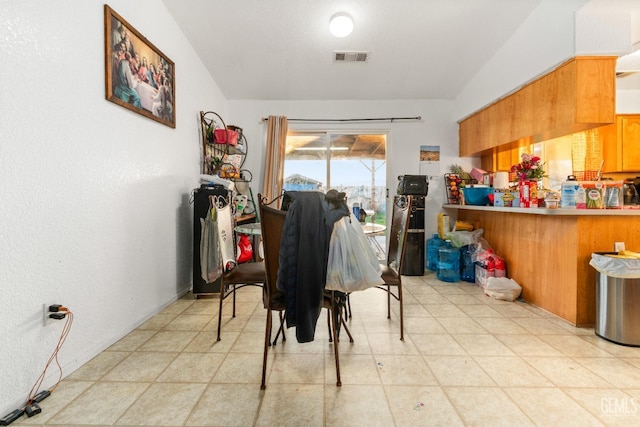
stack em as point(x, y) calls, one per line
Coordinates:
point(252, 228)
point(373, 231)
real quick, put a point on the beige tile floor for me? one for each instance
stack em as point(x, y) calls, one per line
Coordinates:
point(466, 360)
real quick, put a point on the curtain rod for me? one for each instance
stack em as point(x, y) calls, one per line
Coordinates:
point(380, 119)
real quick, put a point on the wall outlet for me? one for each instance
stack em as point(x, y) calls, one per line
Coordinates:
point(618, 246)
point(46, 320)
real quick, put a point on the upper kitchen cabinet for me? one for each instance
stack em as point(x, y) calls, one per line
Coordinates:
point(621, 144)
point(577, 95)
point(503, 157)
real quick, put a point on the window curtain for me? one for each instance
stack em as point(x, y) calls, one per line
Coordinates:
point(274, 160)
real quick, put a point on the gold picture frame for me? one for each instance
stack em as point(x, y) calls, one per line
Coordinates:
point(138, 76)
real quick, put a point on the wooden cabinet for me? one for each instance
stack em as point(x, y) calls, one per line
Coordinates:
point(621, 144)
point(505, 159)
point(502, 158)
point(629, 136)
point(578, 95)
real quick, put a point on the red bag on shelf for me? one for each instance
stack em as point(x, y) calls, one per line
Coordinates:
point(231, 137)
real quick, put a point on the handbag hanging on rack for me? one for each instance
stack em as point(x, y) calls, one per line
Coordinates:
point(210, 255)
point(225, 234)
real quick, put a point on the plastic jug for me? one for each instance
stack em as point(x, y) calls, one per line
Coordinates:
point(433, 244)
point(467, 263)
point(568, 192)
point(448, 263)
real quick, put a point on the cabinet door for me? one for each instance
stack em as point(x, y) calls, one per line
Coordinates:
point(505, 159)
point(630, 136)
point(608, 136)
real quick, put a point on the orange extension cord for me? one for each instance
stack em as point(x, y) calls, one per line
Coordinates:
point(54, 355)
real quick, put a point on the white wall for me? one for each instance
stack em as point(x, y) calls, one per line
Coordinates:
point(604, 27)
point(403, 145)
point(628, 102)
point(544, 40)
point(94, 204)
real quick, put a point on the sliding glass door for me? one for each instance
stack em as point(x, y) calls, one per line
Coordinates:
point(354, 163)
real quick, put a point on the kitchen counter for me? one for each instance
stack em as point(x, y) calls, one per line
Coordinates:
point(627, 211)
point(547, 251)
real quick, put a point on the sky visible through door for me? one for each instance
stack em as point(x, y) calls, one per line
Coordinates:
point(353, 163)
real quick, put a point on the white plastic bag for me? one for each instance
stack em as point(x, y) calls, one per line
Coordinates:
point(352, 265)
point(623, 268)
point(462, 238)
point(225, 235)
point(210, 256)
point(502, 288)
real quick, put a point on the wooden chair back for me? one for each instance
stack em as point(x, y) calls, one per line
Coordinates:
point(272, 223)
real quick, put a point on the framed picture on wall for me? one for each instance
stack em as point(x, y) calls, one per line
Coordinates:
point(138, 76)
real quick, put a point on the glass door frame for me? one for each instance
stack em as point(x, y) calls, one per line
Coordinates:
point(328, 133)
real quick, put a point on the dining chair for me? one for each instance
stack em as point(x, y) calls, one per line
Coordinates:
point(273, 222)
point(247, 274)
point(402, 206)
point(241, 275)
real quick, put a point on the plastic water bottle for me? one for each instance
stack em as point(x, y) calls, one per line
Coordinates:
point(581, 198)
point(356, 210)
point(467, 264)
point(501, 270)
point(433, 244)
point(491, 267)
point(448, 263)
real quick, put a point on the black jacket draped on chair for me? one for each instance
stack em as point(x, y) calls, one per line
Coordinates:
point(304, 250)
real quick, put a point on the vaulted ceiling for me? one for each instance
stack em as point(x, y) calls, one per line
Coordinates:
point(282, 49)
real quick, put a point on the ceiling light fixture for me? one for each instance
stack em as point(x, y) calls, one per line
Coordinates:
point(341, 24)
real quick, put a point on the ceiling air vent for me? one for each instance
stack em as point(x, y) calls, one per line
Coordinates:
point(350, 56)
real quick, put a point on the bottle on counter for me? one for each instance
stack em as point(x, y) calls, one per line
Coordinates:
point(581, 198)
point(568, 192)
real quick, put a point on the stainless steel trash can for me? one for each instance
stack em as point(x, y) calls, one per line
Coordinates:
point(618, 309)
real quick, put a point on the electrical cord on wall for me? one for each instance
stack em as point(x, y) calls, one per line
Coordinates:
point(32, 408)
point(54, 356)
